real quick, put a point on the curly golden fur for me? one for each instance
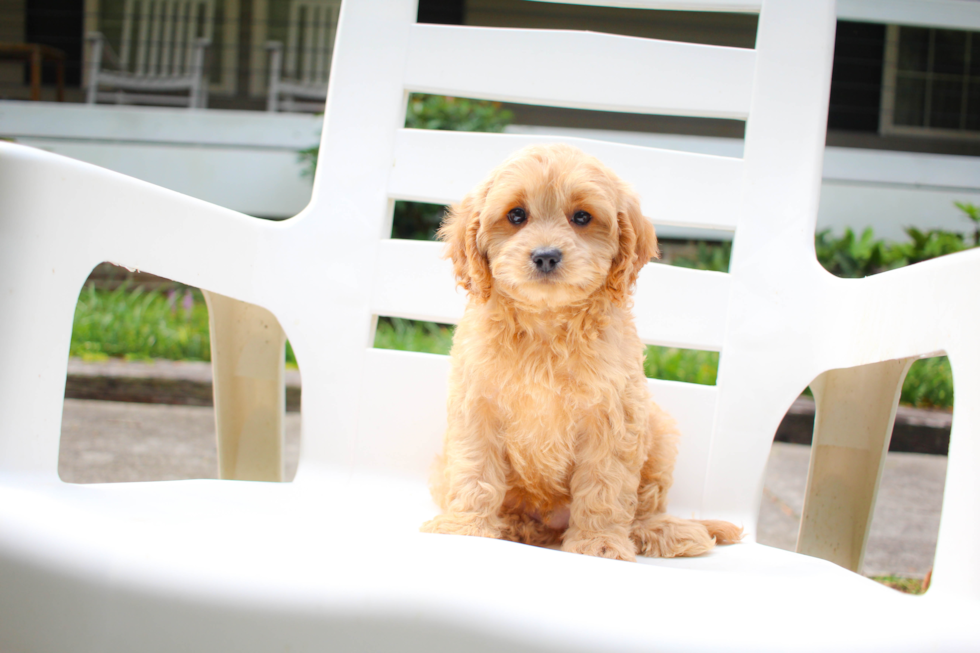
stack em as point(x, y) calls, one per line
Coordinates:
point(552, 437)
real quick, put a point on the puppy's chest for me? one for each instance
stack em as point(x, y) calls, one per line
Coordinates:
point(544, 407)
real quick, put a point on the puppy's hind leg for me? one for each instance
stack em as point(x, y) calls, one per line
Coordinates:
point(724, 532)
point(666, 536)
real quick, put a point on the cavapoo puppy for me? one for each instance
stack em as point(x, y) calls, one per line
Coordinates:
point(552, 436)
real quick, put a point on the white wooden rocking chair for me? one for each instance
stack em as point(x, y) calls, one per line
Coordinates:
point(334, 560)
point(163, 53)
point(309, 49)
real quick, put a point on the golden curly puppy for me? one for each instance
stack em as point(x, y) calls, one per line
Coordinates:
point(553, 437)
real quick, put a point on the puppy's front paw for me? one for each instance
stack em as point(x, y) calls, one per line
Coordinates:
point(601, 545)
point(464, 524)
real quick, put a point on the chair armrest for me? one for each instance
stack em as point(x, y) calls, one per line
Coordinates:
point(876, 328)
point(58, 219)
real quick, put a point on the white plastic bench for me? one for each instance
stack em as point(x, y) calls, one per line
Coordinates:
point(334, 560)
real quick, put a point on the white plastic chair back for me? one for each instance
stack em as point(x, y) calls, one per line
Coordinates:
point(369, 160)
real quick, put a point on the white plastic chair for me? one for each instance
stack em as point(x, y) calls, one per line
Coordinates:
point(163, 50)
point(334, 560)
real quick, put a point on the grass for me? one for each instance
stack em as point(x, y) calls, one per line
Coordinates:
point(408, 335)
point(903, 584)
point(133, 323)
point(137, 324)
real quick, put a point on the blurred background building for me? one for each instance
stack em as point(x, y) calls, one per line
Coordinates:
point(903, 131)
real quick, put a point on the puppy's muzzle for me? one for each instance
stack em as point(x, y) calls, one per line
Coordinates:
point(546, 259)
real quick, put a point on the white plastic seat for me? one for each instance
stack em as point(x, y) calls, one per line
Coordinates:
point(334, 560)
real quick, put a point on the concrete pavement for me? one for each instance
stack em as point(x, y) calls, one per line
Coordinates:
point(106, 441)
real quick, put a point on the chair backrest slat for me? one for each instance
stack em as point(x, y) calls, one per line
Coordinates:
point(584, 70)
point(681, 307)
point(166, 45)
point(161, 35)
point(413, 281)
point(181, 37)
point(725, 6)
point(429, 167)
point(142, 44)
point(157, 18)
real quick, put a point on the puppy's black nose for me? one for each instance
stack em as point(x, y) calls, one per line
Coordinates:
point(546, 259)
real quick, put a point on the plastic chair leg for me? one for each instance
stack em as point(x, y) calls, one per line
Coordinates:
point(248, 364)
point(855, 414)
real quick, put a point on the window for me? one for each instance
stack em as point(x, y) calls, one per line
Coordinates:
point(931, 82)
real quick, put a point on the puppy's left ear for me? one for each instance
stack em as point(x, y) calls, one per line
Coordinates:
point(637, 246)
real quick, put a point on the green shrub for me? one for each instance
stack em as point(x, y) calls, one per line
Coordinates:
point(455, 114)
point(412, 335)
point(688, 365)
point(714, 256)
point(138, 324)
point(853, 257)
point(973, 213)
point(929, 384)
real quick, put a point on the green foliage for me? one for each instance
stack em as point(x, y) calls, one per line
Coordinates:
point(455, 114)
point(136, 324)
point(713, 256)
point(413, 335)
point(416, 220)
point(853, 257)
point(929, 384)
point(902, 583)
point(688, 365)
point(928, 244)
point(973, 213)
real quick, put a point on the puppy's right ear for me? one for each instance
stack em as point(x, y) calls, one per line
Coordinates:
point(459, 229)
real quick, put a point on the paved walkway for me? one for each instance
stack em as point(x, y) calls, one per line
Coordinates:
point(104, 441)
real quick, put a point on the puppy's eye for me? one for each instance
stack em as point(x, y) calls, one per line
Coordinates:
point(517, 216)
point(581, 218)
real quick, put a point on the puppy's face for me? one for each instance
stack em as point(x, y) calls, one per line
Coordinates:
point(549, 227)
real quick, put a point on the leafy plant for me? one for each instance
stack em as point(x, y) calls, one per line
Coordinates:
point(413, 335)
point(688, 365)
point(929, 384)
point(137, 324)
point(853, 257)
point(926, 245)
point(973, 213)
point(455, 114)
